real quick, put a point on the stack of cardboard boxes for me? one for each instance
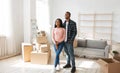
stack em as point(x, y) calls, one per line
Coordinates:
point(43, 53)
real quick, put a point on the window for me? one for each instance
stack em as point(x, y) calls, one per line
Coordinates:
point(42, 15)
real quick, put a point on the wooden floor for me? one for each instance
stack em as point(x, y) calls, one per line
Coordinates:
point(16, 65)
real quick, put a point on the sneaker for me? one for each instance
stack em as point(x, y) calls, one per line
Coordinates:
point(54, 70)
point(58, 67)
point(73, 70)
point(67, 66)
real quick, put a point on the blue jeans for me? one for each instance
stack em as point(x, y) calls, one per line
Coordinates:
point(68, 48)
point(58, 51)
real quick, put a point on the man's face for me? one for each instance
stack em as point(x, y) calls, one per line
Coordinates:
point(67, 16)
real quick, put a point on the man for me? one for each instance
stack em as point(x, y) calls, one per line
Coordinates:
point(71, 32)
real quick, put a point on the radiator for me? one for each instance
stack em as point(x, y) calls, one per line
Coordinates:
point(8, 48)
point(3, 46)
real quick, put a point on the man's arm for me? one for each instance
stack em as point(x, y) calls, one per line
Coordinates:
point(73, 32)
point(64, 26)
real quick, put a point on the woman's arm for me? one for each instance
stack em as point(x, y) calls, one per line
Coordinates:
point(53, 37)
point(64, 35)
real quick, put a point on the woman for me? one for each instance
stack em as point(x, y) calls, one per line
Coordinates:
point(58, 36)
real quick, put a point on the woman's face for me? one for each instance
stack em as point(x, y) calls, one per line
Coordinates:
point(57, 23)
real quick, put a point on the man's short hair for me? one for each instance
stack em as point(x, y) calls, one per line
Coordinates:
point(68, 13)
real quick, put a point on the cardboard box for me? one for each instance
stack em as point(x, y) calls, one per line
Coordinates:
point(42, 33)
point(49, 54)
point(44, 47)
point(109, 65)
point(39, 57)
point(42, 39)
point(26, 51)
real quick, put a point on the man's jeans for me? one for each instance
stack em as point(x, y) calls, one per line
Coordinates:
point(58, 51)
point(68, 48)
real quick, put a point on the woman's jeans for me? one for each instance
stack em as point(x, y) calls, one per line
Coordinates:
point(58, 51)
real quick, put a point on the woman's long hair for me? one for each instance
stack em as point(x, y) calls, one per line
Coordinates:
point(61, 24)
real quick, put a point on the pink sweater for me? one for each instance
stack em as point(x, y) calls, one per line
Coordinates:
point(58, 34)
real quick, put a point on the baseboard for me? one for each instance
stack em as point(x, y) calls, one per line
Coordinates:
point(11, 55)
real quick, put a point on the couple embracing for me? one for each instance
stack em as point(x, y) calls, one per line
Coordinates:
point(63, 35)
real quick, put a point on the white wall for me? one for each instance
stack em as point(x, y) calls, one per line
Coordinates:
point(59, 7)
point(29, 13)
point(26, 17)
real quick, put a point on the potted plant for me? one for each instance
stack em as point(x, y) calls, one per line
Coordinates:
point(116, 53)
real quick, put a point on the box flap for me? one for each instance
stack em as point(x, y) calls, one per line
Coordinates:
point(108, 60)
point(117, 58)
point(105, 61)
point(101, 62)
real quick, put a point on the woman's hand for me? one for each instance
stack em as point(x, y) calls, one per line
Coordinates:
point(57, 45)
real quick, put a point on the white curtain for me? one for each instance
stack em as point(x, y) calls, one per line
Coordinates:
point(5, 18)
point(8, 22)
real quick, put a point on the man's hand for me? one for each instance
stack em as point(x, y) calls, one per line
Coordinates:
point(70, 42)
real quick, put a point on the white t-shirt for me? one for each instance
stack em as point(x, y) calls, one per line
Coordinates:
point(66, 31)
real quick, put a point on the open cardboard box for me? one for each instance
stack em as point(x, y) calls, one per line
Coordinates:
point(44, 47)
point(109, 65)
point(42, 39)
